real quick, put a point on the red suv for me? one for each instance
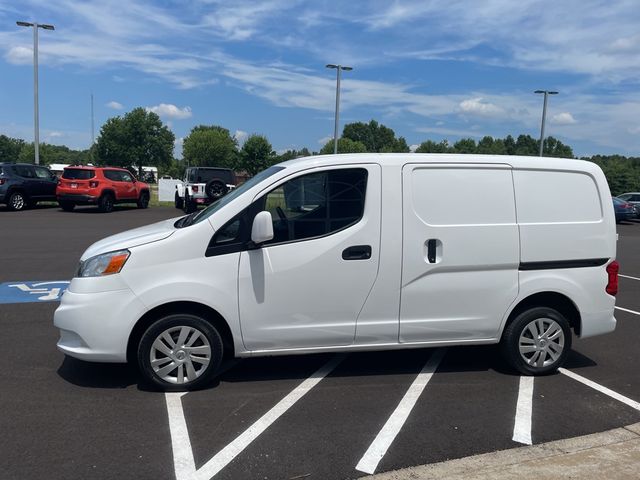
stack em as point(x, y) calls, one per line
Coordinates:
point(102, 186)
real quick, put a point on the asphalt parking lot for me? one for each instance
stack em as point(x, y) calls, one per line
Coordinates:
point(318, 416)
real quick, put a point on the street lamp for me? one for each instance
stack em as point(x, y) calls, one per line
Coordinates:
point(338, 68)
point(36, 120)
point(544, 114)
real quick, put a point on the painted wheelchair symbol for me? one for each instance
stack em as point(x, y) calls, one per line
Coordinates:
point(46, 294)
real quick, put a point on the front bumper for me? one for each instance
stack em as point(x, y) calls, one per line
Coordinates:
point(96, 326)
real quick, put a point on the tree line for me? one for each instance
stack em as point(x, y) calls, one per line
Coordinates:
point(139, 138)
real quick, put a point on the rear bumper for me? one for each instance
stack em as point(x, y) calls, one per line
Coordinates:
point(597, 323)
point(80, 199)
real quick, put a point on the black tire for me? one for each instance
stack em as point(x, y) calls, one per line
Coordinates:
point(179, 203)
point(181, 355)
point(67, 206)
point(143, 201)
point(189, 205)
point(525, 363)
point(215, 189)
point(17, 201)
point(106, 202)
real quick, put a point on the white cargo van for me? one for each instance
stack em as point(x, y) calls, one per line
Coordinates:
point(357, 252)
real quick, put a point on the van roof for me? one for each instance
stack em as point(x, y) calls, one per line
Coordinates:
point(398, 159)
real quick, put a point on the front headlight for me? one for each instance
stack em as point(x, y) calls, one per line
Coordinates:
point(104, 264)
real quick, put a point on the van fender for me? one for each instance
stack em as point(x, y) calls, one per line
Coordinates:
point(579, 285)
point(186, 291)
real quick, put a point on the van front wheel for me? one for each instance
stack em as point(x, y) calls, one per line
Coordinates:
point(180, 352)
point(537, 341)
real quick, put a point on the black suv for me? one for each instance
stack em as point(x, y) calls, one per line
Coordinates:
point(22, 185)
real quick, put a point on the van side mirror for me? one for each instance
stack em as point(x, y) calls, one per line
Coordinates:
point(262, 228)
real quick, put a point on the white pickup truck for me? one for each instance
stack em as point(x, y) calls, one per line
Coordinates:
point(202, 186)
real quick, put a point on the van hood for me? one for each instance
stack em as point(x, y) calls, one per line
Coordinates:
point(132, 238)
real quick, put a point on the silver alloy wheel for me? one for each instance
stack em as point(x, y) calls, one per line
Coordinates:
point(541, 342)
point(180, 354)
point(17, 201)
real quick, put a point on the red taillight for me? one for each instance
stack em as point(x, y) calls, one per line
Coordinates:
point(195, 189)
point(93, 184)
point(612, 271)
point(1, 181)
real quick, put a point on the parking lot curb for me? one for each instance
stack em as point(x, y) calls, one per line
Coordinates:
point(614, 454)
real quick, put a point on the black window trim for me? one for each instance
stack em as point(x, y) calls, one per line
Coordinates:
point(246, 245)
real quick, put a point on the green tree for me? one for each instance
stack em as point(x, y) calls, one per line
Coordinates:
point(429, 146)
point(375, 137)
point(53, 154)
point(10, 148)
point(345, 145)
point(139, 138)
point(291, 154)
point(527, 145)
point(210, 146)
point(465, 145)
point(256, 155)
point(555, 148)
point(510, 145)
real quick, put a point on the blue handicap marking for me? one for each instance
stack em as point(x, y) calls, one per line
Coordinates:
point(32, 292)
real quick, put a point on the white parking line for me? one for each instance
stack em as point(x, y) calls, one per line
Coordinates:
point(522, 425)
point(627, 276)
point(183, 462)
point(627, 310)
point(182, 452)
point(369, 461)
point(600, 388)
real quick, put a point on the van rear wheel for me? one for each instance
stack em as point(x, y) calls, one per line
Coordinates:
point(180, 352)
point(537, 341)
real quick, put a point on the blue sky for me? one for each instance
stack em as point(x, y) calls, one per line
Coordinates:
point(427, 69)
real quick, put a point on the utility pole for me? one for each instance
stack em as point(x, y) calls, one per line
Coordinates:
point(544, 115)
point(338, 68)
point(36, 113)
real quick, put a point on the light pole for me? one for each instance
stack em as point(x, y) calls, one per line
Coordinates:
point(338, 68)
point(36, 119)
point(544, 114)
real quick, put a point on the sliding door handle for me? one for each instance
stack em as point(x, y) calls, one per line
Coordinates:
point(357, 252)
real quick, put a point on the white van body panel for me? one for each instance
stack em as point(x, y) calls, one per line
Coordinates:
point(474, 272)
point(304, 294)
point(396, 299)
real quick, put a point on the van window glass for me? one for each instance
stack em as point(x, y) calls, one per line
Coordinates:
point(463, 195)
point(316, 204)
point(236, 192)
point(555, 197)
point(78, 174)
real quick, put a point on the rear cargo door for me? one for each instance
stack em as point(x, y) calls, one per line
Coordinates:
point(460, 251)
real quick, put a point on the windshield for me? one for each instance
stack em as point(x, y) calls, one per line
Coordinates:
point(214, 207)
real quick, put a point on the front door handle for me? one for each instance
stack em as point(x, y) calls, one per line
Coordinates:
point(431, 250)
point(357, 252)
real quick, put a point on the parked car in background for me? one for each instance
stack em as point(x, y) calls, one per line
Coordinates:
point(634, 199)
point(22, 185)
point(101, 186)
point(203, 186)
point(624, 210)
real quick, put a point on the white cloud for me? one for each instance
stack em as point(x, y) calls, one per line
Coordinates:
point(413, 148)
point(240, 136)
point(177, 147)
point(115, 105)
point(324, 140)
point(478, 106)
point(19, 55)
point(55, 134)
point(168, 110)
point(563, 118)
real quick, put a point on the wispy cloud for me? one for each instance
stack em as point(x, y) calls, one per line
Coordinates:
point(563, 118)
point(115, 105)
point(168, 110)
